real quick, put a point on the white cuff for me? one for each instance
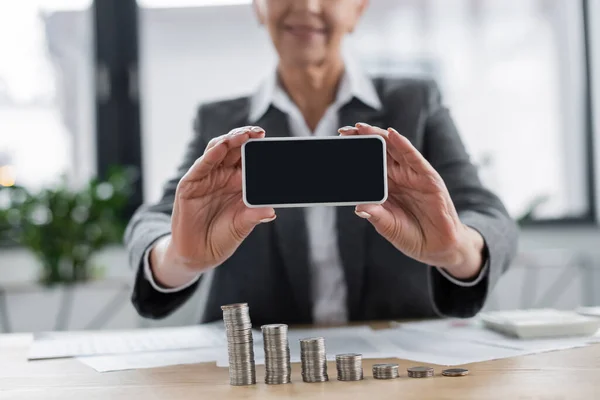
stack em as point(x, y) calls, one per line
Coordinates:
point(150, 277)
point(472, 283)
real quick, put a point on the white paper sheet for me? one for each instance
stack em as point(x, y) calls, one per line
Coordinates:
point(155, 359)
point(71, 344)
point(589, 311)
point(441, 342)
point(359, 339)
point(595, 338)
point(433, 348)
point(472, 330)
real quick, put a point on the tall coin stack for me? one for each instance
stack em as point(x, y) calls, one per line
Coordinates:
point(277, 354)
point(240, 344)
point(385, 371)
point(349, 367)
point(314, 360)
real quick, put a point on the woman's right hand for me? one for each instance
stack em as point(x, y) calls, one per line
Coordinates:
point(210, 219)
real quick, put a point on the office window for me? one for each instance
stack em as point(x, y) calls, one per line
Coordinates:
point(511, 71)
point(593, 14)
point(513, 74)
point(46, 93)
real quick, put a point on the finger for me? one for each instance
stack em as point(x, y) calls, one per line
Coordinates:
point(366, 129)
point(217, 154)
point(382, 219)
point(224, 181)
point(213, 142)
point(252, 131)
point(249, 218)
point(399, 147)
point(239, 136)
point(204, 165)
point(233, 158)
point(236, 141)
point(259, 215)
point(403, 152)
point(348, 131)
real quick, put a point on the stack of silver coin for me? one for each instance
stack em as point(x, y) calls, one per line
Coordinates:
point(420, 372)
point(277, 354)
point(314, 360)
point(385, 371)
point(349, 367)
point(240, 344)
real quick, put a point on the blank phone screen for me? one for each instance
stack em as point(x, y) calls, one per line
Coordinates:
point(315, 171)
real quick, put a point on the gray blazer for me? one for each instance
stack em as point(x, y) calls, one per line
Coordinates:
point(270, 269)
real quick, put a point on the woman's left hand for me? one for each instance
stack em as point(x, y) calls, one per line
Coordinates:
point(419, 217)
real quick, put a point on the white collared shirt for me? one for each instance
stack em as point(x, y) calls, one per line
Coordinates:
point(329, 289)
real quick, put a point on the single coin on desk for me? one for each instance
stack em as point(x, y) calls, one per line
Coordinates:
point(455, 372)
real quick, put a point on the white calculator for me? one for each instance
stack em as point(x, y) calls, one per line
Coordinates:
point(540, 323)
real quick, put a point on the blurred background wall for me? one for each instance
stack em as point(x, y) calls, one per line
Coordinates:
point(85, 85)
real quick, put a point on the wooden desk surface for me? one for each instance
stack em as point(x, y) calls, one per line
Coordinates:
point(570, 374)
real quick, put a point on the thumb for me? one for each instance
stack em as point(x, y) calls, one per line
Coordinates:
point(250, 217)
point(381, 219)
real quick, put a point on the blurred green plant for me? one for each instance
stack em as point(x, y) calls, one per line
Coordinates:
point(532, 208)
point(63, 227)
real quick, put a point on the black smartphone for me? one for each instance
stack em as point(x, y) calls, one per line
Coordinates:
point(308, 171)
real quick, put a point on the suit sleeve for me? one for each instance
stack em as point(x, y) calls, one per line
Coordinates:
point(150, 223)
point(477, 207)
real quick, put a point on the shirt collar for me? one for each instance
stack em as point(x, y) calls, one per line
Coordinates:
point(355, 83)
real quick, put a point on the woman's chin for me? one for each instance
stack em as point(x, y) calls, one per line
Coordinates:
point(302, 58)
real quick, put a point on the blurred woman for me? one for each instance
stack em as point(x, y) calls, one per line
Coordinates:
point(436, 247)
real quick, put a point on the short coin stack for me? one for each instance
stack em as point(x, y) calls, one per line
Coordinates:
point(385, 371)
point(314, 360)
point(420, 372)
point(349, 367)
point(240, 344)
point(277, 354)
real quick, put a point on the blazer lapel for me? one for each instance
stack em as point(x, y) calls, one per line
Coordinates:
point(290, 229)
point(351, 228)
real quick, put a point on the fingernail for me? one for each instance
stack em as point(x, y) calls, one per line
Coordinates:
point(362, 125)
point(363, 214)
point(257, 129)
point(264, 221)
point(393, 130)
point(346, 129)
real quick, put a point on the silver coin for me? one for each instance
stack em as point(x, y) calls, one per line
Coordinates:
point(240, 344)
point(412, 375)
point(275, 327)
point(313, 357)
point(347, 356)
point(385, 366)
point(385, 371)
point(455, 372)
point(420, 369)
point(312, 379)
point(420, 372)
point(278, 368)
point(349, 367)
point(234, 306)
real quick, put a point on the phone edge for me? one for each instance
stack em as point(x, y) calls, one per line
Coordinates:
point(329, 204)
